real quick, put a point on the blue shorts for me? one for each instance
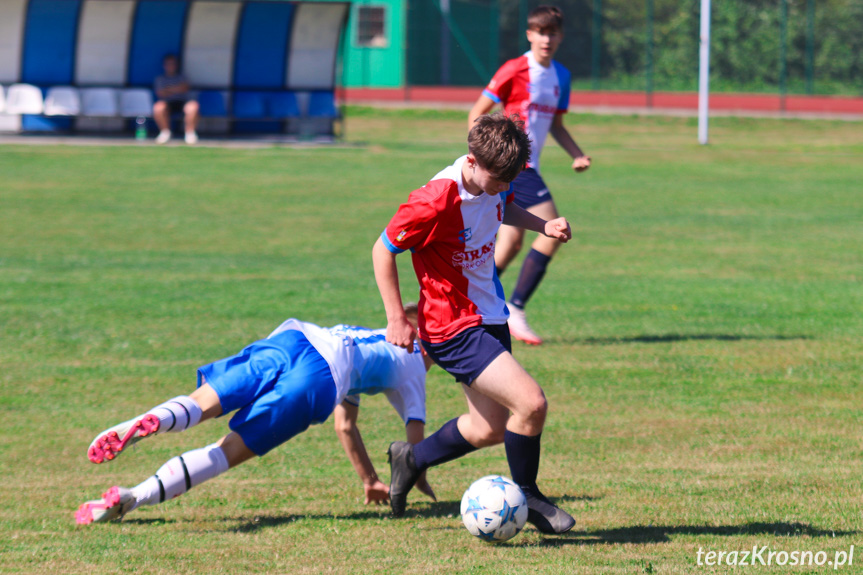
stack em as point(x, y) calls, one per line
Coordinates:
point(529, 189)
point(468, 353)
point(280, 385)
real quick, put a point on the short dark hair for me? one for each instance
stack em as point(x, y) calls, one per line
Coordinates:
point(500, 145)
point(545, 16)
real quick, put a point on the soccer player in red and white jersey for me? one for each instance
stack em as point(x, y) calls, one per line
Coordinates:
point(449, 225)
point(536, 87)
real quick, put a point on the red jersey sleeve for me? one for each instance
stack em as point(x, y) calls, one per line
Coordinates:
point(500, 87)
point(412, 227)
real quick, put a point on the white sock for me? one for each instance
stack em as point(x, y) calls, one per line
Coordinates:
point(180, 474)
point(178, 414)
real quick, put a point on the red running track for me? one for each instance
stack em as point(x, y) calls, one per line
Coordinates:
point(758, 103)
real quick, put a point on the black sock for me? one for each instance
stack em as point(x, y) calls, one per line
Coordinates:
point(532, 271)
point(445, 444)
point(522, 454)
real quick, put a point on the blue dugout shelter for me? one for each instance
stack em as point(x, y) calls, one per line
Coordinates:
point(245, 57)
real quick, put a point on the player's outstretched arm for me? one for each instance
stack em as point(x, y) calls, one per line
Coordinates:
point(557, 228)
point(345, 416)
point(399, 330)
point(580, 161)
point(415, 432)
point(483, 105)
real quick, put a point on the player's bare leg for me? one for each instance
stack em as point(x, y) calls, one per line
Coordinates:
point(485, 422)
point(506, 247)
point(506, 382)
point(531, 274)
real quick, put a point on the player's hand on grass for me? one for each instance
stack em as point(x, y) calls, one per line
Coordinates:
point(581, 163)
point(400, 332)
point(558, 229)
point(424, 487)
point(377, 492)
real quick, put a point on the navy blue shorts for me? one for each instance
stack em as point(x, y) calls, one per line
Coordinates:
point(467, 354)
point(280, 386)
point(529, 189)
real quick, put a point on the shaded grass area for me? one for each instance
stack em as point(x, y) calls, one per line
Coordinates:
point(702, 362)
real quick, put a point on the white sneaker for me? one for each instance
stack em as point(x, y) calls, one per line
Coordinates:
point(519, 329)
point(115, 503)
point(164, 137)
point(112, 441)
point(192, 137)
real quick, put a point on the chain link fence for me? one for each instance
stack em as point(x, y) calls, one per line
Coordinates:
point(757, 46)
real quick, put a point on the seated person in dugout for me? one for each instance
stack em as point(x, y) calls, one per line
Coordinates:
point(172, 97)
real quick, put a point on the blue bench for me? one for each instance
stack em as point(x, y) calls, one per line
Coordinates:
point(311, 112)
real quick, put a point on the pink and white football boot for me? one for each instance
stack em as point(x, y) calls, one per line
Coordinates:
point(112, 441)
point(114, 504)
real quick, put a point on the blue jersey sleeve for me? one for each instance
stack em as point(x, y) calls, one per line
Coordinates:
point(565, 79)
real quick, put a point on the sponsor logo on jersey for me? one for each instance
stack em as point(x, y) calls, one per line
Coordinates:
point(557, 91)
point(542, 192)
point(472, 259)
point(464, 236)
point(401, 235)
point(542, 108)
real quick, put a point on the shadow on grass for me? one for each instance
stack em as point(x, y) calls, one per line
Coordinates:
point(451, 508)
point(570, 498)
point(423, 510)
point(663, 533)
point(677, 337)
point(264, 522)
point(153, 521)
point(417, 510)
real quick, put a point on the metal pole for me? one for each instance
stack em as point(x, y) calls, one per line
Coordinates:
point(783, 52)
point(597, 43)
point(810, 46)
point(493, 38)
point(704, 73)
point(444, 42)
point(522, 21)
point(649, 63)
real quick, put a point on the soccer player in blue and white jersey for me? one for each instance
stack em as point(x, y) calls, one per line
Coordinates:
point(297, 376)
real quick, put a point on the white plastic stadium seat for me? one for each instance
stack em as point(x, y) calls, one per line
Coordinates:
point(99, 102)
point(2, 99)
point(62, 101)
point(136, 102)
point(24, 99)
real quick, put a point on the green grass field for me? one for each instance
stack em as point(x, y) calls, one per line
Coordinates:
point(703, 365)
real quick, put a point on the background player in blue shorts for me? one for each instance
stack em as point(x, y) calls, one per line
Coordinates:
point(449, 225)
point(536, 87)
point(280, 385)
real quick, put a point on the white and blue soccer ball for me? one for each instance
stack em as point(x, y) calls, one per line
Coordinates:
point(494, 509)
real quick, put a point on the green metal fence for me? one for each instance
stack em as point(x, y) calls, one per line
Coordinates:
point(769, 46)
point(452, 42)
point(757, 46)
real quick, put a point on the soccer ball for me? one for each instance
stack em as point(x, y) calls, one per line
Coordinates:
point(494, 509)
